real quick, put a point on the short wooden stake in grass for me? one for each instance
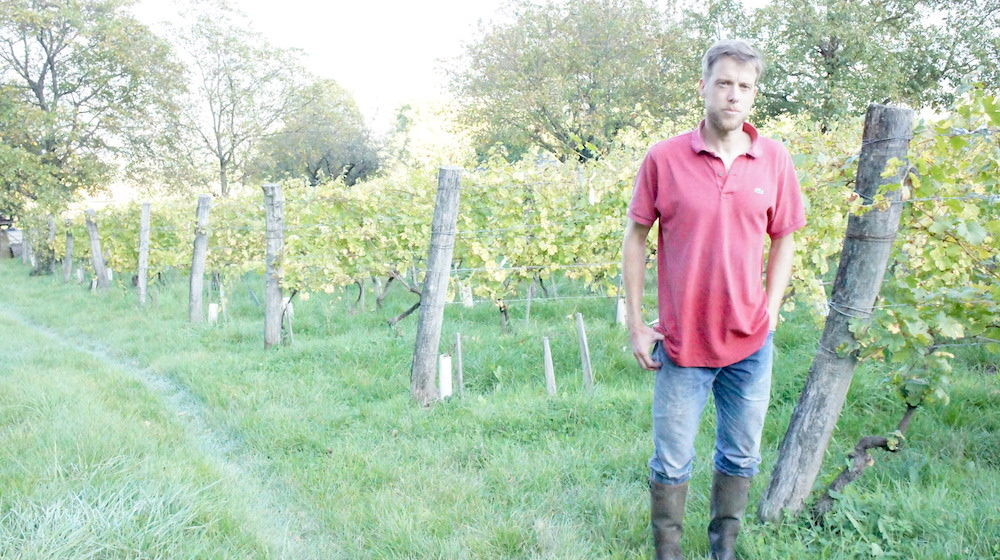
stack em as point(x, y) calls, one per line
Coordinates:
point(466, 291)
point(197, 281)
point(459, 369)
point(213, 313)
point(527, 307)
point(96, 258)
point(68, 257)
point(621, 315)
point(588, 373)
point(111, 275)
point(79, 276)
point(444, 375)
point(550, 373)
point(432, 298)
point(143, 274)
point(274, 215)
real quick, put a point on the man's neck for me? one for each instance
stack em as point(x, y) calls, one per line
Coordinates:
point(725, 142)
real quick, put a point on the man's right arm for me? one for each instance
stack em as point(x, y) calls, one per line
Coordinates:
point(641, 335)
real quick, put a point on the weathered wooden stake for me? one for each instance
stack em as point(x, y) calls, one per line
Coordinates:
point(550, 372)
point(466, 291)
point(459, 369)
point(527, 307)
point(68, 257)
point(197, 282)
point(274, 215)
point(621, 314)
point(143, 272)
point(588, 373)
point(432, 298)
point(213, 313)
point(863, 259)
point(96, 257)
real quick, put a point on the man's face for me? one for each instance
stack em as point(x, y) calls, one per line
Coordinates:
point(729, 93)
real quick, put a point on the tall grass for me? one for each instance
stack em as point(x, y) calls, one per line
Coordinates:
point(506, 472)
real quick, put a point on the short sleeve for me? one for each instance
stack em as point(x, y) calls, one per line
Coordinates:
point(642, 208)
point(788, 213)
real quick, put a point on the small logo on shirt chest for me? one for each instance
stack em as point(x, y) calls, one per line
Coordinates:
point(759, 190)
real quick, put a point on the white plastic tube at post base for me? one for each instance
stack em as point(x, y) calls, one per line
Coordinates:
point(213, 313)
point(444, 375)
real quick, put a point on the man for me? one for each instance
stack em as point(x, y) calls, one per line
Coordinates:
point(716, 191)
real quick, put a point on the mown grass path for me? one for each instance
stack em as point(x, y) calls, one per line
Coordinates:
point(128, 432)
point(266, 514)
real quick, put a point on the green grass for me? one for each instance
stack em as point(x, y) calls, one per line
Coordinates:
point(327, 427)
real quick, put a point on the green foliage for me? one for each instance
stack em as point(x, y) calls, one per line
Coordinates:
point(570, 77)
point(830, 59)
point(80, 78)
point(941, 288)
point(324, 138)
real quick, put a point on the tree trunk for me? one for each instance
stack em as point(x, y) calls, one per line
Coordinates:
point(223, 179)
point(863, 259)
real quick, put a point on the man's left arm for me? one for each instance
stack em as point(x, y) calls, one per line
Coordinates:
point(779, 273)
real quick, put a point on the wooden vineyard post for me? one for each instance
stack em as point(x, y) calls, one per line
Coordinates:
point(863, 259)
point(143, 273)
point(96, 258)
point(588, 372)
point(432, 298)
point(68, 257)
point(550, 373)
point(198, 255)
point(274, 216)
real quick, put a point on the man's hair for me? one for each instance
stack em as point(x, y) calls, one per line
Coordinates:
point(740, 50)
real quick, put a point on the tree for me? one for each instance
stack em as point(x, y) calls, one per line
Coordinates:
point(79, 78)
point(570, 77)
point(831, 58)
point(241, 88)
point(325, 137)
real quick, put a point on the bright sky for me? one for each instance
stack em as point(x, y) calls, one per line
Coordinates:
point(385, 52)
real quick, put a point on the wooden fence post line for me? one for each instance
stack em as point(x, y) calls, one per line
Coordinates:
point(96, 258)
point(143, 272)
point(198, 255)
point(550, 373)
point(68, 257)
point(588, 372)
point(432, 298)
point(274, 215)
point(863, 259)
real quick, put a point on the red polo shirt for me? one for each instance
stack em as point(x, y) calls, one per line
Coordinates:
point(713, 308)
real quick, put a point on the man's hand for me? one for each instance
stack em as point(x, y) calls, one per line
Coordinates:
point(642, 338)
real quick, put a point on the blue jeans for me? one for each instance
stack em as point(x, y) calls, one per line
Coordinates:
point(741, 393)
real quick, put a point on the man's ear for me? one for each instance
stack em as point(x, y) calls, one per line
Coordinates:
point(701, 87)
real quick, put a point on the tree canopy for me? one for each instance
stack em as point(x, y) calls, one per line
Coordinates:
point(324, 137)
point(79, 80)
point(569, 77)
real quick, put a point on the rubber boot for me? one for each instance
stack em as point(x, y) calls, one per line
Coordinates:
point(729, 503)
point(666, 506)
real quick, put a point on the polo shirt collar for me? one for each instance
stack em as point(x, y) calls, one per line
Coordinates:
point(698, 140)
